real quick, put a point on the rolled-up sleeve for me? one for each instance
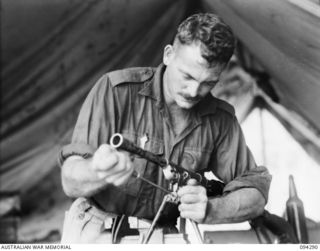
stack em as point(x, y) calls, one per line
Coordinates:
point(94, 124)
point(235, 165)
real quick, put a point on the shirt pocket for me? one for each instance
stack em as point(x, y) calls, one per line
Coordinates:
point(153, 145)
point(195, 159)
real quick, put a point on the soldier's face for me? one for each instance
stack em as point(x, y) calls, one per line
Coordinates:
point(188, 78)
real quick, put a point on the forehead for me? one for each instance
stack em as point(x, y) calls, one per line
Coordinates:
point(188, 59)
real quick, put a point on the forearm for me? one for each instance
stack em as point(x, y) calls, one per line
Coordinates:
point(237, 206)
point(78, 180)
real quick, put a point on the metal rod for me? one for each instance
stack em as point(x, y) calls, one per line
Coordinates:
point(197, 231)
point(155, 220)
point(138, 176)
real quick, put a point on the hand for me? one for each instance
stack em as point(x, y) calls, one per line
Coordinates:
point(112, 166)
point(193, 200)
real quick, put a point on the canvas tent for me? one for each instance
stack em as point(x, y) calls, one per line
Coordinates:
point(53, 51)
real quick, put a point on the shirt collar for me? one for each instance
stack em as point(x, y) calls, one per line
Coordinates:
point(153, 89)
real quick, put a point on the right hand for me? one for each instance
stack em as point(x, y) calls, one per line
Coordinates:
point(112, 166)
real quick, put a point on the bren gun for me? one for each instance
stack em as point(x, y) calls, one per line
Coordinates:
point(173, 172)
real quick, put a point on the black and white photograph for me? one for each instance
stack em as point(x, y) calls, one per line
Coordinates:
point(159, 122)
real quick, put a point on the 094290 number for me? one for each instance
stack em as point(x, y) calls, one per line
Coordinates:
point(309, 246)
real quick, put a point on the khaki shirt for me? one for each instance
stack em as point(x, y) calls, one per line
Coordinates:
point(131, 102)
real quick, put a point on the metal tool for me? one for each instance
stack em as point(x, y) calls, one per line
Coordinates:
point(197, 231)
point(138, 176)
point(171, 197)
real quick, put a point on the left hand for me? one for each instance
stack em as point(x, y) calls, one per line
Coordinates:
point(193, 200)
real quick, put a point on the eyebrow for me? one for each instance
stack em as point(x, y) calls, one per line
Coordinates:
point(190, 76)
point(187, 74)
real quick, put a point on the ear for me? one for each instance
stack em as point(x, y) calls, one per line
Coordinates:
point(167, 54)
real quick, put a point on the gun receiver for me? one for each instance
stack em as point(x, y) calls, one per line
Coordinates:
point(172, 171)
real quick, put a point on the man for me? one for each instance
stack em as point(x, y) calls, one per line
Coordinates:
point(170, 112)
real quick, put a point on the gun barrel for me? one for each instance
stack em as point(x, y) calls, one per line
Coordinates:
point(119, 142)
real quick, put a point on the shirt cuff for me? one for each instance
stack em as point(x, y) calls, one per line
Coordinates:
point(258, 178)
point(80, 149)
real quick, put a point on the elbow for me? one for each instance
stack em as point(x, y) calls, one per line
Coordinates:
point(260, 209)
point(260, 204)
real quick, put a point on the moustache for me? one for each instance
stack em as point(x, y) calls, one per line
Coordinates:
point(191, 99)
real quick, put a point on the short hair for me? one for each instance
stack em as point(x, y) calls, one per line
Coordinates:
point(217, 41)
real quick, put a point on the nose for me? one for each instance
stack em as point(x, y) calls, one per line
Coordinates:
point(193, 89)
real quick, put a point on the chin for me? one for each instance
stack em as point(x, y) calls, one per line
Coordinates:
point(186, 105)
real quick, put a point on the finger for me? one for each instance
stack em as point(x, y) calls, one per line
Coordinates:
point(122, 177)
point(102, 175)
point(123, 168)
point(192, 182)
point(191, 190)
point(107, 167)
point(191, 199)
point(195, 212)
point(116, 179)
point(105, 162)
point(110, 166)
point(104, 158)
point(123, 165)
point(187, 207)
point(192, 215)
point(106, 149)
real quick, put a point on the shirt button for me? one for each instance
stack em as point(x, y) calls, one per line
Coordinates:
point(147, 72)
point(81, 216)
